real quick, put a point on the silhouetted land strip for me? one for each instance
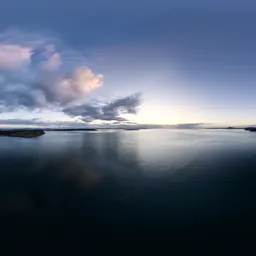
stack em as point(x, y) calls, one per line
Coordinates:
point(70, 130)
point(251, 129)
point(22, 133)
point(224, 128)
point(131, 129)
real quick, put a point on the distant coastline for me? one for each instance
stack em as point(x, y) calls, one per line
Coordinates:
point(22, 133)
point(70, 129)
point(32, 133)
point(225, 128)
point(250, 129)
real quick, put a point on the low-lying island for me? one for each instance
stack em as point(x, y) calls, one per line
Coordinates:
point(22, 133)
point(251, 129)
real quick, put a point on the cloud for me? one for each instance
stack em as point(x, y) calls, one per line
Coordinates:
point(41, 72)
point(79, 82)
point(39, 122)
point(14, 56)
point(111, 111)
point(190, 126)
point(33, 121)
point(52, 62)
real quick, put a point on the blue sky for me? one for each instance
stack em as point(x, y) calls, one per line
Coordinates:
point(190, 61)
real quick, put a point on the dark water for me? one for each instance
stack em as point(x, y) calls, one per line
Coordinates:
point(128, 185)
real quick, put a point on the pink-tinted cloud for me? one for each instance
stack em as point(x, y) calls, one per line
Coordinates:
point(81, 80)
point(36, 72)
point(53, 62)
point(14, 56)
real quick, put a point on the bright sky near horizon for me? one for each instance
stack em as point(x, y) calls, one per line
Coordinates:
point(120, 62)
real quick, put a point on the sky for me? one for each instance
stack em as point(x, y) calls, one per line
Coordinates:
point(82, 63)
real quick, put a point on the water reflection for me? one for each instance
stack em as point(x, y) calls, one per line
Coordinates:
point(125, 183)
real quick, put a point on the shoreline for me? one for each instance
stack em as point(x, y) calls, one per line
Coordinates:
point(22, 133)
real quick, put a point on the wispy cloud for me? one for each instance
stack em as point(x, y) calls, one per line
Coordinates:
point(111, 111)
point(38, 122)
point(190, 125)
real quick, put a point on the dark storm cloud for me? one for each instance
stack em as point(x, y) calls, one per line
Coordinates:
point(107, 112)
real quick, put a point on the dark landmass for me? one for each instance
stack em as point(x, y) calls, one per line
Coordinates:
point(69, 130)
point(250, 129)
point(131, 129)
point(22, 133)
point(225, 128)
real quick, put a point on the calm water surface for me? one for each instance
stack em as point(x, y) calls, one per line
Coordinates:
point(112, 184)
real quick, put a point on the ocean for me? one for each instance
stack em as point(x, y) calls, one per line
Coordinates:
point(114, 184)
